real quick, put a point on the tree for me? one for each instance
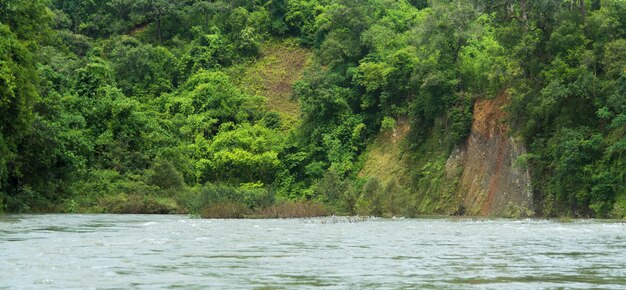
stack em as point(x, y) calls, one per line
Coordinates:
point(339, 31)
point(207, 51)
point(77, 10)
point(164, 174)
point(121, 8)
point(155, 10)
point(246, 153)
point(484, 65)
point(18, 92)
point(300, 17)
point(28, 20)
point(207, 8)
point(144, 70)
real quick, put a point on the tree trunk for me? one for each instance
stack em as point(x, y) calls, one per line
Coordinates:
point(595, 5)
point(523, 11)
point(158, 23)
point(75, 25)
point(583, 8)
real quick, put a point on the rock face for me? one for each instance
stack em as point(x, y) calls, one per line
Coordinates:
point(489, 182)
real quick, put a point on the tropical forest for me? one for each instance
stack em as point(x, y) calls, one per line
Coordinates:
point(293, 108)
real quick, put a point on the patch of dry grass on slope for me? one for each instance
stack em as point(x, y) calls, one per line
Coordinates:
point(385, 158)
point(280, 64)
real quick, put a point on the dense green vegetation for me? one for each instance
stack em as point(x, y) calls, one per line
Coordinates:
point(140, 106)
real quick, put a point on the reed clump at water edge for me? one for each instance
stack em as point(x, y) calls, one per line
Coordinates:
point(285, 209)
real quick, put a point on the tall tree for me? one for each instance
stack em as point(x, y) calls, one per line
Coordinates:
point(156, 10)
point(121, 8)
point(23, 24)
point(77, 10)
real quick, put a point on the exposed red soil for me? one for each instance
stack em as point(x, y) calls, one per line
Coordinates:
point(489, 182)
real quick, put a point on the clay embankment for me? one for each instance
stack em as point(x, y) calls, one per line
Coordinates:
point(489, 181)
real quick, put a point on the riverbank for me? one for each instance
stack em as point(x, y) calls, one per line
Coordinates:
point(206, 204)
point(201, 207)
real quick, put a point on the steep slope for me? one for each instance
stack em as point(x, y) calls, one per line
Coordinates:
point(490, 183)
point(385, 158)
point(479, 177)
point(418, 178)
point(281, 63)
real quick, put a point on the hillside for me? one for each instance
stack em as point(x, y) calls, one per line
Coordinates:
point(310, 107)
point(279, 65)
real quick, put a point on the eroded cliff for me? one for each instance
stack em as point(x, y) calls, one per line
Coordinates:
point(489, 182)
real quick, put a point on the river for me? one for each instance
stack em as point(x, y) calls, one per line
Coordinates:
point(169, 251)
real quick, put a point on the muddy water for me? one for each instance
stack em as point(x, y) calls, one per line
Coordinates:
point(147, 251)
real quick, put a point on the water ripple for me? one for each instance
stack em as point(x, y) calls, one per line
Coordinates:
point(146, 252)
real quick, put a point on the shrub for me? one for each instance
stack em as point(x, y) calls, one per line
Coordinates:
point(370, 202)
point(330, 187)
point(348, 202)
point(224, 201)
point(387, 124)
point(392, 197)
point(164, 175)
point(461, 118)
point(225, 209)
point(293, 209)
point(138, 204)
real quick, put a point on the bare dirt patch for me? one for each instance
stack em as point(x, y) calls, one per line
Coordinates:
point(272, 75)
point(490, 182)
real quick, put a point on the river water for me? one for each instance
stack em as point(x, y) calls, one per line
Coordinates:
point(168, 251)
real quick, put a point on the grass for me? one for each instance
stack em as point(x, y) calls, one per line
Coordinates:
point(272, 75)
point(385, 157)
point(229, 209)
point(285, 209)
point(293, 209)
point(123, 203)
point(437, 191)
point(619, 208)
point(424, 187)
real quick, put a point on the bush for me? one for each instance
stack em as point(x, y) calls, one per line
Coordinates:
point(224, 201)
point(387, 124)
point(330, 187)
point(26, 199)
point(164, 175)
point(461, 117)
point(619, 209)
point(392, 198)
point(225, 209)
point(272, 120)
point(370, 203)
point(293, 209)
point(138, 204)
